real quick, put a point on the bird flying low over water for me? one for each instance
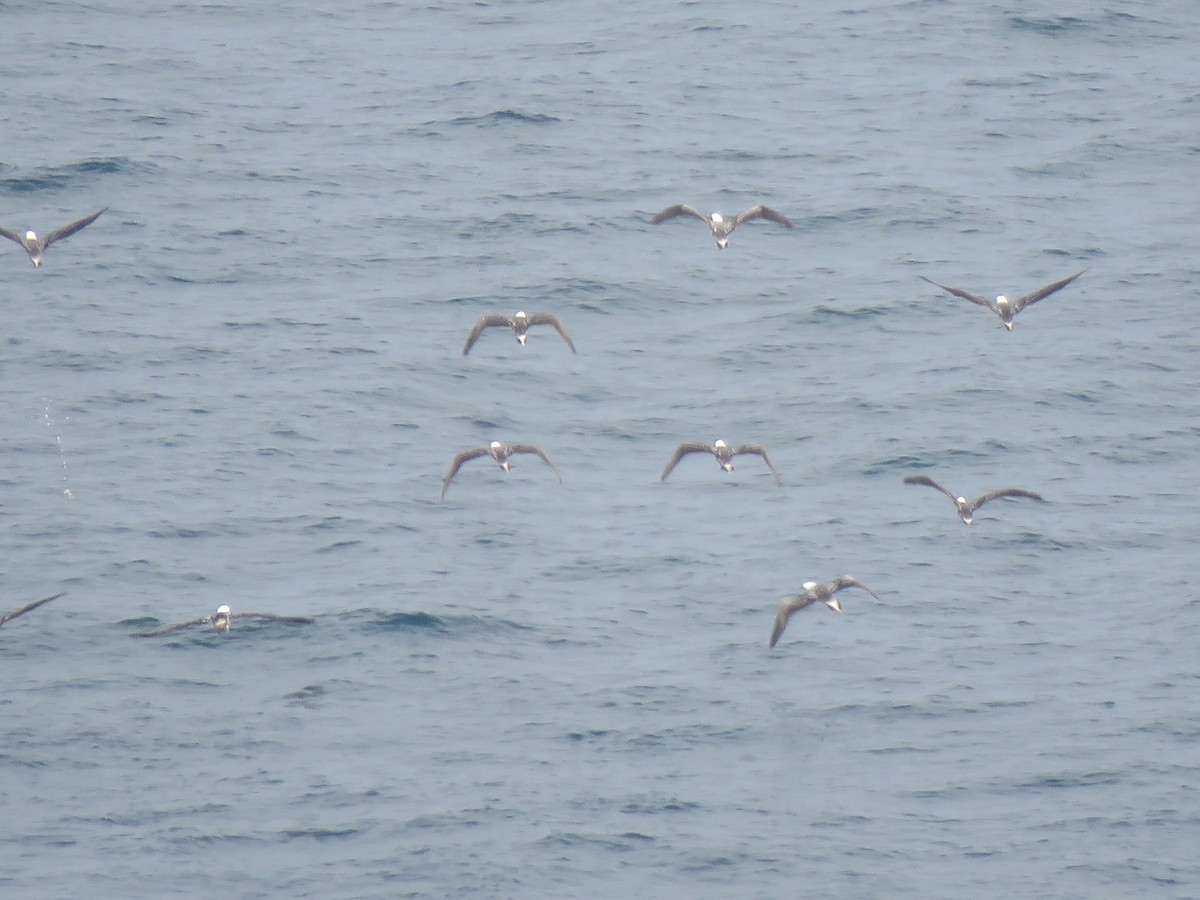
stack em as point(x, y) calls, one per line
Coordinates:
point(35, 246)
point(500, 453)
point(8, 617)
point(813, 592)
point(721, 227)
point(520, 325)
point(1003, 307)
point(724, 454)
point(966, 508)
point(223, 618)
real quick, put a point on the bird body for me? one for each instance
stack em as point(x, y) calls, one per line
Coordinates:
point(966, 508)
point(500, 453)
point(520, 325)
point(35, 246)
point(814, 592)
point(724, 455)
point(721, 227)
point(1003, 307)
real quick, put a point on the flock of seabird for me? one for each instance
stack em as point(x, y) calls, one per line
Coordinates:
point(520, 323)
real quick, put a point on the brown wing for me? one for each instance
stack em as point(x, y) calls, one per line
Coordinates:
point(787, 608)
point(974, 298)
point(488, 321)
point(456, 464)
point(26, 608)
point(12, 236)
point(757, 450)
point(537, 451)
point(1042, 293)
point(926, 480)
point(67, 230)
point(1004, 492)
point(680, 452)
point(847, 581)
point(762, 212)
point(203, 620)
point(680, 209)
point(545, 318)
point(286, 620)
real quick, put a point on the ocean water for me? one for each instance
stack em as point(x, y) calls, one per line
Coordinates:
point(244, 383)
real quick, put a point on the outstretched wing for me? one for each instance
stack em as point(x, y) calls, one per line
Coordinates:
point(679, 209)
point(974, 298)
point(488, 321)
point(12, 236)
point(286, 620)
point(464, 456)
point(203, 620)
point(926, 480)
point(680, 452)
point(537, 451)
point(1004, 492)
point(787, 609)
point(26, 608)
point(847, 581)
point(67, 230)
point(757, 450)
point(546, 318)
point(762, 212)
point(1042, 293)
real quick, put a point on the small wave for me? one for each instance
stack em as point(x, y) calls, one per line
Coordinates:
point(69, 175)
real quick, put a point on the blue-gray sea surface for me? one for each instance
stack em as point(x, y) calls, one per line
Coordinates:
point(244, 382)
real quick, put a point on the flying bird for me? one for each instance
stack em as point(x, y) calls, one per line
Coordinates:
point(520, 325)
point(721, 227)
point(26, 608)
point(223, 618)
point(1003, 307)
point(35, 246)
point(500, 453)
point(724, 454)
point(966, 509)
point(813, 592)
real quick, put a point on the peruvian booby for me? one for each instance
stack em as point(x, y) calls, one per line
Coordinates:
point(500, 453)
point(721, 227)
point(966, 508)
point(35, 246)
point(813, 592)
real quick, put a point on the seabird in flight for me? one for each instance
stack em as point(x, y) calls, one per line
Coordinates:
point(520, 325)
point(813, 592)
point(35, 246)
point(1003, 307)
point(222, 618)
point(966, 509)
point(26, 608)
point(721, 227)
point(500, 453)
point(724, 454)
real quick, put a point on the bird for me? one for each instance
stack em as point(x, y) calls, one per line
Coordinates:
point(520, 325)
point(721, 227)
point(966, 509)
point(1003, 307)
point(813, 592)
point(724, 454)
point(500, 453)
point(8, 617)
point(223, 618)
point(35, 246)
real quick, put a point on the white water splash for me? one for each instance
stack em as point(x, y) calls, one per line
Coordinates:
point(62, 456)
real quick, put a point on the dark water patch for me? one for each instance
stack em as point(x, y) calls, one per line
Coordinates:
point(615, 842)
point(321, 834)
point(1049, 25)
point(307, 696)
point(404, 621)
point(503, 117)
point(71, 175)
